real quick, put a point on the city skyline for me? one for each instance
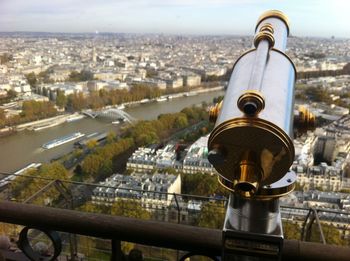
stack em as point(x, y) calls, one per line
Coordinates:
point(311, 18)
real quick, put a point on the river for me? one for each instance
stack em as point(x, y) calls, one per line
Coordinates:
point(22, 148)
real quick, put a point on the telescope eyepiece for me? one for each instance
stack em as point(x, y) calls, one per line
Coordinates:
point(251, 103)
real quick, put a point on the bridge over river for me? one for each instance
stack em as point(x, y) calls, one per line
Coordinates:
point(24, 147)
point(111, 113)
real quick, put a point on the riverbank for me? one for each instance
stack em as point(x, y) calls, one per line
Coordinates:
point(6, 131)
point(168, 97)
point(67, 117)
point(42, 124)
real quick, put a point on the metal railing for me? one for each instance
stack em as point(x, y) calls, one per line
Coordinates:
point(156, 232)
point(196, 240)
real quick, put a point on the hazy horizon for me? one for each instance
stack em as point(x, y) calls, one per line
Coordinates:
point(172, 17)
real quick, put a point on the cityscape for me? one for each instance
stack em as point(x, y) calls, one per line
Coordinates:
point(118, 124)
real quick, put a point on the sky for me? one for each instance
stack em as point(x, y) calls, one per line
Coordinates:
point(323, 18)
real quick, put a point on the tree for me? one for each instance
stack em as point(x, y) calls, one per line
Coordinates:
point(2, 117)
point(151, 73)
point(91, 144)
point(169, 170)
point(200, 184)
point(130, 208)
point(83, 75)
point(212, 215)
point(61, 99)
point(331, 233)
point(33, 110)
point(291, 230)
point(95, 208)
point(31, 78)
point(95, 101)
point(111, 137)
point(144, 133)
point(77, 101)
point(11, 94)
point(86, 75)
point(191, 113)
point(181, 121)
point(92, 165)
point(24, 187)
point(5, 58)
point(74, 76)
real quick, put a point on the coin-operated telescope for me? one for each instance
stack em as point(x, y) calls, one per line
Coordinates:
point(251, 145)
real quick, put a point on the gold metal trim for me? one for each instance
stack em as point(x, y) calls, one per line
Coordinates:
point(276, 14)
point(214, 112)
point(304, 121)
point(228, 130)
point(267, 27)
point(264, 35)
point(262, 193)
point(252, 96)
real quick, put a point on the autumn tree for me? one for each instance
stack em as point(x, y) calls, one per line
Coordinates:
point(34, 110)
point(212, 215)
point(200, 184)
point(99, 164)
point(83, 75)
point(31, 78)
point(5, 58)
point(45, 76)
point(111, 137)
point(95, 208)
point(195, 113)
point(95, 101)
point(2, 117)
point(24, 187)
point(94, 164)
point(291, 230)
point(144, 133)
point(61, 99)
point(77, 101)
point(130, 208)
point(331, 233)
point(181, 121)
point(91, 144)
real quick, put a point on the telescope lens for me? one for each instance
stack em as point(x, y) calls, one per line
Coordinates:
point(250, 108)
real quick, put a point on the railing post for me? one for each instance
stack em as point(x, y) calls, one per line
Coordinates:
point(303, 227)
point(178, 209)
point(73, 247)
point(117, 253)
point(319, 226)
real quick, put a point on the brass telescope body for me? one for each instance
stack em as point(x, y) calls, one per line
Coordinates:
point(251, 146)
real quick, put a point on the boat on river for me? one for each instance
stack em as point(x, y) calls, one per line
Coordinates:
point(75, 117)
point(62, 140)
point(161, 99)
